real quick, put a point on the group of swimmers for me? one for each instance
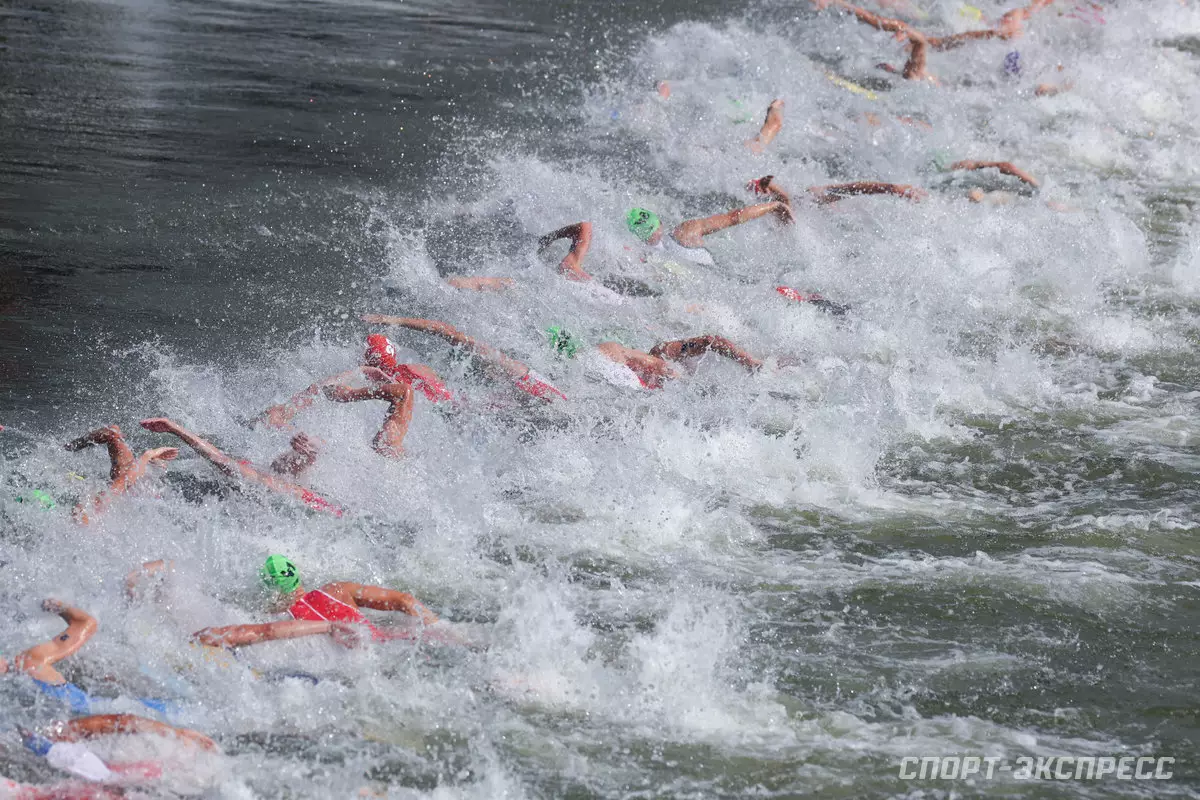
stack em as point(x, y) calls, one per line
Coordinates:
point(336, 609)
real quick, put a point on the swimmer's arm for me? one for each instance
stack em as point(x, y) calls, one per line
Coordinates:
point(282, 413)
point(1005, 167)
point(580, 235)
point(772, 124)
point(914, 68)
point(769, 186)
point(433, 327)
point(875, 20)
point(122, 724)
point(146, 570)
point(691, 233)
point(455, 337)
point(231, 637)
point(953, 41)
point(381, 599)
point(832, 193)
point(686, 348)
point(81, 626)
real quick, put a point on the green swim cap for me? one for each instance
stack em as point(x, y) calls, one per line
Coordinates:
point(642, 223)
point(281, 574)
point(562, 341)
point(37, 496)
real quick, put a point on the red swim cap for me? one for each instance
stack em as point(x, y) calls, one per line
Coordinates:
point(380, 353)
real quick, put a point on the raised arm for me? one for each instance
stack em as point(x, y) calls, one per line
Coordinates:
point(433, 327)
point(699, 345)
point(382, 599)
point(771, 126)
point(279, 415)
point(122, 724)
point(874, 20)
point(234, 636)
point(456, 337)
point(770, 187)
point(914, 68)
point(691, 233)
point(1005, 167)
point(580, 235)
point(38, 661)
point(834, 192)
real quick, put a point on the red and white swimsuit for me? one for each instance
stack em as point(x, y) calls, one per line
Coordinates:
point(535, 385)
point(432, 388)
point(318, 606)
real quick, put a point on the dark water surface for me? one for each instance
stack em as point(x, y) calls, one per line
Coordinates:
point(198, 172)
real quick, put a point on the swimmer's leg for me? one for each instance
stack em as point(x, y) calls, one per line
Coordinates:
point(301, 456)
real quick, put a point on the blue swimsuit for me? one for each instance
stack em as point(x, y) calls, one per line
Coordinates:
point(82, 703)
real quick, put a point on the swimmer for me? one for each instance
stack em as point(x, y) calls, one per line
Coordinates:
point(97, 725)
point(235, 468)
point(499, 365)
point(380, 367)
point(770, 128)
point(625, 366)
point(125, 470)
point(38, 661)
point(330, 609)
point(686, 240)
point(60, 746)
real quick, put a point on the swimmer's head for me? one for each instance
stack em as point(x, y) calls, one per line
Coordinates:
point(642, 223)
point(561, 340)
point(37, 496)
point(3, 665)
point(281, 574)
point(380, 352)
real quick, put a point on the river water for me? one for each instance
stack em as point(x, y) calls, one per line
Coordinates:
point(956, 521)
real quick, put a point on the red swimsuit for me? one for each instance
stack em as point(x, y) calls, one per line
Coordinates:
point(319, 606)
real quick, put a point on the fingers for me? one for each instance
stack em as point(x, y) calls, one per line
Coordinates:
point(161, 454)
point(158, 425)
point(53, 606)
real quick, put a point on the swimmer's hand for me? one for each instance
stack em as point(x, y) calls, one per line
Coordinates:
point(53, 606)
point(761, 185)
point(278, 415)
point(160, 455)
point(348, 635)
